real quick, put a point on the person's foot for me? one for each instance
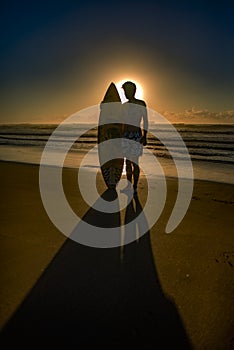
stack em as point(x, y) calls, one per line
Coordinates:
point(127, 189)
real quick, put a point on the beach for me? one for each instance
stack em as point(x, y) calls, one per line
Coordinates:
point(189, 271)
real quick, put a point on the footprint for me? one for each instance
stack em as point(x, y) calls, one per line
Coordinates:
point(226, 258)
point(196, 198)
point(222, 201)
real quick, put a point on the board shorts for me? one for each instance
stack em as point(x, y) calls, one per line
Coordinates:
point(134, 149)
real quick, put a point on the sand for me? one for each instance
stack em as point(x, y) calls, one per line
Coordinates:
point(176, 286)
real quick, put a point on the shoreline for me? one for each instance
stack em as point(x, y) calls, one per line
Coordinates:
point(194, 264)
point(174, 177)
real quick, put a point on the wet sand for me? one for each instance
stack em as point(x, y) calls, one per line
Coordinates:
point(169, 289)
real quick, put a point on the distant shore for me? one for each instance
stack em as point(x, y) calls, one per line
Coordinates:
point(194, 264)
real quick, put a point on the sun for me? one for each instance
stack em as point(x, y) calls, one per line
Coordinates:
point(139, 89)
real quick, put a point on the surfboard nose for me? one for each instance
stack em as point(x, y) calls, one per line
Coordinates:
point(112, 94)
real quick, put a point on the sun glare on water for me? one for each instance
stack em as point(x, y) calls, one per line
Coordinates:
point(139, 89)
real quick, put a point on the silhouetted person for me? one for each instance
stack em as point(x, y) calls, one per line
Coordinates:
point(134, 111)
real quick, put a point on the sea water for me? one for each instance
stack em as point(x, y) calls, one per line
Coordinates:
point(210, 146)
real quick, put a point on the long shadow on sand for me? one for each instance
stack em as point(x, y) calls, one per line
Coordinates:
point(91, 296)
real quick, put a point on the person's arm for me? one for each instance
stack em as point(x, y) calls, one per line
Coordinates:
point(145, 125)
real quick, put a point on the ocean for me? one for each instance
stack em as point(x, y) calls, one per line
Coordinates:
point(210, 146)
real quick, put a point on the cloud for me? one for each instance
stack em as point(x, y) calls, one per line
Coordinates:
point(199, 116)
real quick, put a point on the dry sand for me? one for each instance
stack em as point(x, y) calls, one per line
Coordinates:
point(178, 286)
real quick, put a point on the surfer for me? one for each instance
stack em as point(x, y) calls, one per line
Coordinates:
point(133, 113)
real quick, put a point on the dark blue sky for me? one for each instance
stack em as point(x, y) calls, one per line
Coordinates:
point(57, 57)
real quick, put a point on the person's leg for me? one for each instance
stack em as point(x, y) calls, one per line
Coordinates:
point(129, 176)
point(136, 173)
point(129, 170)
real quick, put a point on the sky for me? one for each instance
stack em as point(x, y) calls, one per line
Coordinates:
point(58, 57)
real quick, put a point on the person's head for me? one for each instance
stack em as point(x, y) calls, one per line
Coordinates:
point(129, 89)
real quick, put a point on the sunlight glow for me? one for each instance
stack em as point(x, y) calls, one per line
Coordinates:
point(139, 89)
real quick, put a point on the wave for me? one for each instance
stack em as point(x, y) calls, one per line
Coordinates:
point(209, 143)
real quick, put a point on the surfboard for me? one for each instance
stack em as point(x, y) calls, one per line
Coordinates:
point(110, 127)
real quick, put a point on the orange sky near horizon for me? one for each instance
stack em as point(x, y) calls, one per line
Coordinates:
point(43, 103)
